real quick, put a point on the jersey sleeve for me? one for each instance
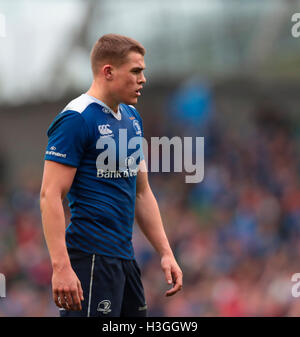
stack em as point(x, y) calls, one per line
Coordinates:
point(67, 139)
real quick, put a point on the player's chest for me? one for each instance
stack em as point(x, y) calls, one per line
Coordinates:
point(116, 130)
point(114, 135)
point(116, 143)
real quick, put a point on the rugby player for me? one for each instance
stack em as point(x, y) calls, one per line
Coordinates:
point(94, 268)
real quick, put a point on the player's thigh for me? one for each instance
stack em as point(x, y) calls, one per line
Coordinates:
point(107, 288)
point(102, 279)
point(134, 303)
point(82, 265)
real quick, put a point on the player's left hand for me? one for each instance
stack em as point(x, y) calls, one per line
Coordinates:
point(173, 274)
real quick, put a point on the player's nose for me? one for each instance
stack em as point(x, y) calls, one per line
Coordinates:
point(142, 79)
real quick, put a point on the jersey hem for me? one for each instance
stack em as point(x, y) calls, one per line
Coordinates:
point(61, 161)
point(104, 254)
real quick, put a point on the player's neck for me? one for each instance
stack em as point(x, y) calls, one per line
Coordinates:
point(103, 97)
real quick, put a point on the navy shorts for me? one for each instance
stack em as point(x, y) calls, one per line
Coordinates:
point(111, 287)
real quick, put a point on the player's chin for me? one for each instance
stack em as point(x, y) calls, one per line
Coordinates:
point(131, 101)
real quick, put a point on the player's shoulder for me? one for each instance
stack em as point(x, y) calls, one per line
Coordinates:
point(72, 115)
point(80, 104)
point(81, 108)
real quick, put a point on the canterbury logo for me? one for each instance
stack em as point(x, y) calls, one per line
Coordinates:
point(104, 130)
point(104, 306)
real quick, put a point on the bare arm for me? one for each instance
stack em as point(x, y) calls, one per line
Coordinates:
point(57, 180)
point(149, 220)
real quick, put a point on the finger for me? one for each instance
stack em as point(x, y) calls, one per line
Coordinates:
point(55, 298)
point(76, 299)
point(174, 290)
point(168, 275)
point(62, 300)
point(177, 286)
point(80, 291)
point(68, 299)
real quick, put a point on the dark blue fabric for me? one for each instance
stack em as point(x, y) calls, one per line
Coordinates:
point(102, 204)
point(111, 287)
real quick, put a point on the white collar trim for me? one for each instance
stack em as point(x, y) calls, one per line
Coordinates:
point(107, 109)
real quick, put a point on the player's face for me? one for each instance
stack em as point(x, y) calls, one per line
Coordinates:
point(129, 79)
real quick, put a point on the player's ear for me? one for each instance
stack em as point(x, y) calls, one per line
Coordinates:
point(108, 71)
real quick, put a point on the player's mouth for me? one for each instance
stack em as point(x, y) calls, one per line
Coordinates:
point(138, 91)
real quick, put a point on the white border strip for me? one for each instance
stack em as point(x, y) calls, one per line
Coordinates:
point(91, 284)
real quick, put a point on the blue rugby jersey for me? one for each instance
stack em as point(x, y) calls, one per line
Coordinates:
point(102, 195)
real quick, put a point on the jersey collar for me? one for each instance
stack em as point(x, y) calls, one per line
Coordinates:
point(106, 109)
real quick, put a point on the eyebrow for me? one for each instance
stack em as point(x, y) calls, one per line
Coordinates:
point(138, 68)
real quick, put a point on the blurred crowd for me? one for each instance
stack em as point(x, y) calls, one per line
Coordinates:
point(236, 235)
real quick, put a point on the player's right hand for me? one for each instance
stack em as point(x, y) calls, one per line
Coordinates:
point(66, 289)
